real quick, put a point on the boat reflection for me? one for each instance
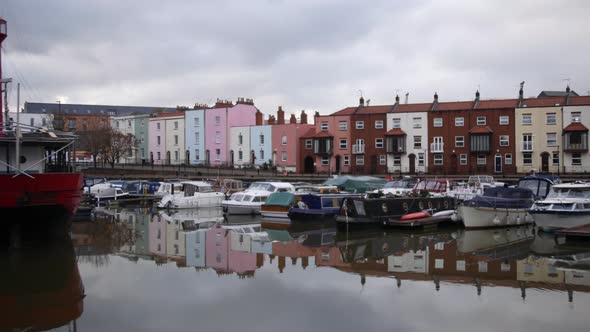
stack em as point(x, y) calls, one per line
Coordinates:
point(40, 287)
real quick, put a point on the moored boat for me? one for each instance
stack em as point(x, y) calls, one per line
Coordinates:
point(194, 194)
point(250, 200)
point(277, 205)
point(314, 206)
point(497, 207)
point(566, 205)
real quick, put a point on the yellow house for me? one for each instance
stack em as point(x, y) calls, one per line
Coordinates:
point(538, 134)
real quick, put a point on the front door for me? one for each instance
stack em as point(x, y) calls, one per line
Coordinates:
point(412, 161)
point(545, 162)
point(498, 163)
point(308, 165)
point(338, 165)
point(231, 160)
point(453, 169)
point(373, 164)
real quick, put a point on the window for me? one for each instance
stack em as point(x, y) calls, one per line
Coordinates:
point(158, 141)
point(158, 125)
point(283, 156)
point(383, 159)
point(527, 158)
point(324, 126)
point(360, 125)
point(420, 159)
point(481, 121)
point(284, 140)
point(481, 159)
point(308, 144)
point(175, 125)
point(197, 122)
point(175, 139)
point(217, 154)
point(576, 117)
point(527, 142)
point(417, 122)
point(325, 160)
point(197, 138)
point(417, 142)
point(482, 266)
point(463, 159)
point(504, 120)
point(551, 119)
point(142, 153)
point(379, 143)
point(343, 144)
point(261, 154)
point(459, 122)
point(343, 125)
point(439, 263)
point(438, 159)
point(508, 159)
point(72, 124)
point(43, 122)
point(117, 124)
point(397, 160)
point(346, 160)
point(397, 123)
point(217, 120)
point(240, 139)
point(504, 140)
point(378, 124)
point(240, 155)
point(128, 123)
point(159, 155)
point(360, 159)
point(198, 155)
point(576, 159)
point(555, 157)
point(261, 139)
point(505, 267)
point(175, 155)
point(459, 141)
point(460, 265)
point(527, 120)
point(217, 137)
point(551, 139)
point(437, 122)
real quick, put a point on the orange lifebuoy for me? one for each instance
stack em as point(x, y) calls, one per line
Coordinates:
point(415, 215)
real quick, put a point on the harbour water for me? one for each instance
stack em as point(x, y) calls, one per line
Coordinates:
point(140, 269)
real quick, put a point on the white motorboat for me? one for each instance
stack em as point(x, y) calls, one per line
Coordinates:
point(107, 191)
point(567, 205)
point(400, 187)
point(193, 194)
point(168, 188)
point(250, 200)
point(497, 207)
point(194, 218)
point(475, 186)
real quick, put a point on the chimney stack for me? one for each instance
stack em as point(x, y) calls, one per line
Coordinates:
point(436, 97)
point(280, 116)
point(362, 101)
point(396, 99)
point(271, 120)
point(521, 94)
point(292, 119)
point(303, 117)
point(259, 118)
point(407, 96)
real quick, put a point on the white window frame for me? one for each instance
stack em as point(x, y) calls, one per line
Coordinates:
point(361, 158)
point(378, 124)
point(217, 120)
point(283, 155)
point(417, 122)
point(397, 160)
point(360, 125)
point(308, 144)
point(324, 126)
point(397, 123)
point(459, 141)
point(554, 118)
point(481, 120)
point(437, 122)
point(504, 120)
point(382, 159)
point(459, 121)
point(463, 159)
point(325, 160)
point(508, 159)
point(504, 140)
point(525, 158)
point(421, 159)
point(419, 141)
point(343, 146)
point(343, 125)
point(482, 159)
point(529, 120)
point(378, 143)
point(553, 142)
point(346, 160)
point(576, 159)
point(438, 159)
point(284, 140)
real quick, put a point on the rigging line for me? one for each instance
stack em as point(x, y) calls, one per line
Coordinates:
point(30, 90)
point(7, 53)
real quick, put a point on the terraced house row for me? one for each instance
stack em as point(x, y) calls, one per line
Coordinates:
point(548, 133)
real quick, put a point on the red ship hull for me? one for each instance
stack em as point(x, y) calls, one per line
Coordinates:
point(45, 193)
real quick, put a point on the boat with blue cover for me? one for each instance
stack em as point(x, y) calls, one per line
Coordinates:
point(498, 207)
point(315, 206)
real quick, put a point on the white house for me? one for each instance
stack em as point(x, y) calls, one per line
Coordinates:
point(240, 146)
point(576, 121)
point(407, 138)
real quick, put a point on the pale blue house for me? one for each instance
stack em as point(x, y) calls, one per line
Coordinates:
point(195, 248)
point(261, 144)
point(194, 135)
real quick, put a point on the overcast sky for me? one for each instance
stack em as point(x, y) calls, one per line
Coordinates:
point(305, 54)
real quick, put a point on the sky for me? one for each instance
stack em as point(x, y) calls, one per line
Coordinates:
point(305, 54)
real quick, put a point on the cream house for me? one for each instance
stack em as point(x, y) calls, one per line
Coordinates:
point(538, 129)
point(576, 121)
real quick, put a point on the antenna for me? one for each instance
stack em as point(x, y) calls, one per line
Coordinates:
point(361, 92)
point(407, 95)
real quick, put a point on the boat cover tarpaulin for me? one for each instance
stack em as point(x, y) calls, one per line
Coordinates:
point(503, 198)
point(356, 184)
point(280, 199)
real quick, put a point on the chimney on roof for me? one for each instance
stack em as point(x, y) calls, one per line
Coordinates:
point(567, 94)
point(259, 118)
point(292, 119)
point(303, 117)
point(396, 99)
point(407, 96)
point(521, 94)
point(435, 102)
point(436, 97)
point(476, 98)
point(271, 120)
point(280, 116)
point(361, 101)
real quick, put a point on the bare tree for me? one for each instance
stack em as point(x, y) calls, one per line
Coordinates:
point(119, 145)
point(96, 142)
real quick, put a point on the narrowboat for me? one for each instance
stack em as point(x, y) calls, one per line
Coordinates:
point(317, 206)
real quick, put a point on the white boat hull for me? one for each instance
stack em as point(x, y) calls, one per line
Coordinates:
point(479, 217)
point(202, 200)
point(236, 208)
point(275, 214)
point(557, 220)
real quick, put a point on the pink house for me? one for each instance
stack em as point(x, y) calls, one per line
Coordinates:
point(220, 257)
point(218, 121)
point(157, 235)
point(286, 144)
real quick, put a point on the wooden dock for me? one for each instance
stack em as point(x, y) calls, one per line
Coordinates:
point(579, 232)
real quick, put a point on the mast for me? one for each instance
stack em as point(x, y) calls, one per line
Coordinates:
point(2, 37)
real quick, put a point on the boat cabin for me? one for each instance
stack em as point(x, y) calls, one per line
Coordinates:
point(435, 186)
point(193, 188)
point(249, 197)
point(271, 187)
point(540, 185)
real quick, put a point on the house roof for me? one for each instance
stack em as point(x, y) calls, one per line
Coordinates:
point(481, 130)
point(543, 102)
point(575, 126)
point(454, 106)
point(162, 115)
point(309, 133)
point(546, 93)
point(377, 109)
point(395, 132)
point(322, 134)
point(402, 108)
point(578, 101)
point(495, 104)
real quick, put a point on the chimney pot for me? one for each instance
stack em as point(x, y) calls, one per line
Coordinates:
point(362, 101)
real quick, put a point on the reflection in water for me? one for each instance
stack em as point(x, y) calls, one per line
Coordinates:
point(40, 286)
point(487, 264)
